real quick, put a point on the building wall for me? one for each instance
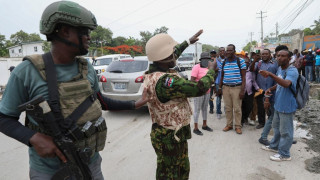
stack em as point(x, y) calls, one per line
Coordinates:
point(27, 49)
point(296, 42)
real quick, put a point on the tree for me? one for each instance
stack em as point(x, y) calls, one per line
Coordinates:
point(308, 32)
point(3, 47)
point(207, 47)
point(249, 46)
point(146, 35)
point(162, 29)
point(46, 46)
point(118, 41)
point(34, 37)
point(101, 36)
point(19, 37)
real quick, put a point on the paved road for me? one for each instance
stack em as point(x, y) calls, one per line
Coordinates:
point(216, 155)
point(128, 154)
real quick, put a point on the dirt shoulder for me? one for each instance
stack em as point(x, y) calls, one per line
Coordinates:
point(309, 119)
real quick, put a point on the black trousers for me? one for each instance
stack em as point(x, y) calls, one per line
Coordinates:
point(261, 111)
point(246, 107)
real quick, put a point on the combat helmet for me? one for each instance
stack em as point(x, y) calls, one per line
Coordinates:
point(66, 12)
point(160, 47)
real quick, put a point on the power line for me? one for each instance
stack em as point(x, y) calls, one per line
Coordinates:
point(305, 5)
point(182, 4)
point(147, 4)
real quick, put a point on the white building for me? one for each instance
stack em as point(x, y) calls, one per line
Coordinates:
point(25, 49)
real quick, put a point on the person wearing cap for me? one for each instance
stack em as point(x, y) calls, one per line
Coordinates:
point(11, 68)
point(168, 104)
point(309, 67)
point(200, 103)
point(74, 98)
point(213, 55)
point(317, 66)
point(233, 81)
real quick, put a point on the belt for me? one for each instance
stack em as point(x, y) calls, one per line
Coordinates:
point(232, 85)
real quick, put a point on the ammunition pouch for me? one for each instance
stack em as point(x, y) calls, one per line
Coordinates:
point(92, 134)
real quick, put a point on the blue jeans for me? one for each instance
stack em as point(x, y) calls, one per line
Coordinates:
point(267, 125)
point(309, 73)
point(317, 74)
point(211, 102)
point(95, 168)
point(283, 133)
point(218, 101)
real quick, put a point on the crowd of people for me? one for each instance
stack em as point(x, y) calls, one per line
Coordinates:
point(256, 86)
point(308, 63)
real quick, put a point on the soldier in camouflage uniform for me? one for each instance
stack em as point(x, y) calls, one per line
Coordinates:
point(168, 105)
point(67, 25)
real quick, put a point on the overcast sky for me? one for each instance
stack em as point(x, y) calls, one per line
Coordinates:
point(223, 21)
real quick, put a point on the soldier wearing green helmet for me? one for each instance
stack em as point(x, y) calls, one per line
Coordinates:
point(169, 107)
point(70, 86)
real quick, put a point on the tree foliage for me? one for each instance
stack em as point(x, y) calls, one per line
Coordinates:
point(3, 50)
point(146, 35)
point(313, 29)
point(101, 36)
point(125, 49)
point(249, 46)
point(22, 37)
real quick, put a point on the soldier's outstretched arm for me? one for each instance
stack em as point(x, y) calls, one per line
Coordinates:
point(111, 104)
point(181, 47)
point(172, 87)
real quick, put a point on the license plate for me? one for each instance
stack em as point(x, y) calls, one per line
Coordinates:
point(120, 86)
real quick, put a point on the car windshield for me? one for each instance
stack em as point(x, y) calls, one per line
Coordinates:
point(103, 61)
point(127, 66)
point(186, 57)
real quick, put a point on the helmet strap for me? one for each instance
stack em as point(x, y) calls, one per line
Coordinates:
point(82, 50)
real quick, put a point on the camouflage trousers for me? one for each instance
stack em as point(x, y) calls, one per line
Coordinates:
point(172, 156)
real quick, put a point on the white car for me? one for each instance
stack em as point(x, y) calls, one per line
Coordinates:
point(101, 63)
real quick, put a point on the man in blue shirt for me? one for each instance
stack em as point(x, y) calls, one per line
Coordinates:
point(264, 83)
point(233, 79)
point(285, 107)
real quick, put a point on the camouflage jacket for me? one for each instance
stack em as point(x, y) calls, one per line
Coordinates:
point(171, 86)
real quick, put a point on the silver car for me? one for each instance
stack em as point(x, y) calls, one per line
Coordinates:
point(123, 80)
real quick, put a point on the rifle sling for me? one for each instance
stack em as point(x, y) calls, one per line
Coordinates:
point(54, 96)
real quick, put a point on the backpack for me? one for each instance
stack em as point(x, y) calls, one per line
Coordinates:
point(224, 63)
point(302, 91)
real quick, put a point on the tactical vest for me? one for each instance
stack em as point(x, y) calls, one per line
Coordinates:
point(72, 93)
point(173, 114)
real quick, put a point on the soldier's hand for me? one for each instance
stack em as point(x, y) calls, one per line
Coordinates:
point(45, 146)
point(195, 37)
point(211, 65)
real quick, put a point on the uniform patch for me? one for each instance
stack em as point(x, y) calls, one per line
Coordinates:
point(169, 81)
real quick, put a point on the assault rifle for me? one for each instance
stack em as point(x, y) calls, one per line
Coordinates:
point(76, 167)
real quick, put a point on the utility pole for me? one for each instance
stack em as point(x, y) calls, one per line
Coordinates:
point(251, 34)
point(261, 18)
point(277, 32)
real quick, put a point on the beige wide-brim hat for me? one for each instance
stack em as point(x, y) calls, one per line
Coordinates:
point(160, 47)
